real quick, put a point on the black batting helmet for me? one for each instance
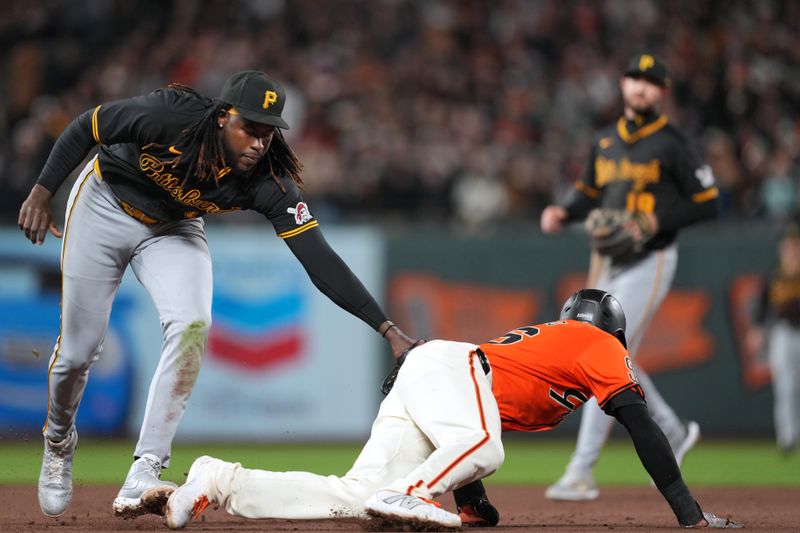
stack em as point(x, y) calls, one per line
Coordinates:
point(598, 308)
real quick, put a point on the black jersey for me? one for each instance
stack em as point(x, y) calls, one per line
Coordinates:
point(138, 146)
point(649, 168)
point(779, 299)
point(139, 140)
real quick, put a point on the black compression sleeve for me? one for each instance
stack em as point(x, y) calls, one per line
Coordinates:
point(682, 213)
point(72, 146)
point(334, 278)
point(656, 456)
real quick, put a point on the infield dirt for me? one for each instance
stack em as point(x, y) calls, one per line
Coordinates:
point(521, 509)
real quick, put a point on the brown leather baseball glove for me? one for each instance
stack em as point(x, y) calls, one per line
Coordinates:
point(616, 232)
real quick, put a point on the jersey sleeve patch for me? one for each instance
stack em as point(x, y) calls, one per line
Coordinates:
point(300, 212)
point(302, 218)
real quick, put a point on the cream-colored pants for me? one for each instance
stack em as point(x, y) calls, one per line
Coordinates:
point(438, 429)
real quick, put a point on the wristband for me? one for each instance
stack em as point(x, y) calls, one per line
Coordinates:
point(389, 325)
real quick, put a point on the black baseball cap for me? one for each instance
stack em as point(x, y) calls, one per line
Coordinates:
point(256, 97)
point(650, 67)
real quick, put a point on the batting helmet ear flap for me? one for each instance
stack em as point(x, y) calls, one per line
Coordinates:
point(620, 335)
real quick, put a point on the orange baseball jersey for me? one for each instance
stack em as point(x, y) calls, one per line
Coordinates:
point(542, 373)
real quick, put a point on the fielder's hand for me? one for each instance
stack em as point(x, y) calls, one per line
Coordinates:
point(398, 340)
point(553, 217)
point(388, 381)
point(35, 218)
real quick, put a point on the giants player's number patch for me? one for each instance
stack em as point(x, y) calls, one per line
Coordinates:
point(631, 371)
point(516, 335)
point(565, 398)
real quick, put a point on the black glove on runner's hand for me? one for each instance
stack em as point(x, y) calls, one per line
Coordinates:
point(389, 380)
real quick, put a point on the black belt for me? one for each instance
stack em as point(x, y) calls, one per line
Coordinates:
point(484, 361)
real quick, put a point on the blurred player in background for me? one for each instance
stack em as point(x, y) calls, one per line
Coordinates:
point(641, 165)
point(439, 427)
point(166, 159)
point(777, 317)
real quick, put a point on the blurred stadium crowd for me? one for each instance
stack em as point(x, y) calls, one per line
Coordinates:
point(469, 112)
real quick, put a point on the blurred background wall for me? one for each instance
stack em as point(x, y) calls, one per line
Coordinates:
point(443, 126)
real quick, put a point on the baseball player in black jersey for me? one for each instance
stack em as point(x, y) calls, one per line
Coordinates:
point(166, 159)
point(777, 332)
point(644, 182)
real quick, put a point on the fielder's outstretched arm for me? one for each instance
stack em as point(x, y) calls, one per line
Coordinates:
point(335, 279)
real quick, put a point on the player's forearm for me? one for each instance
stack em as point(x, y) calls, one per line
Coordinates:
point(578, 205)
point(72, 146)
point(656, 456)
point(334, 278)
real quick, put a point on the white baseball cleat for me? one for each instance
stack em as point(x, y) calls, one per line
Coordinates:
point(143, 492)
point(681, 447)
point(396, 506)
point(573, 487)
point(55, 477)
point(692, 436)
point(190, 499)
point(713, 521)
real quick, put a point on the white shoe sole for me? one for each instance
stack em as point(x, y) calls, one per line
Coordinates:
point(190, 506)
point(152, 501)
point(393, 513)
point(692, 436)
point(55, 514)
point(553, 493)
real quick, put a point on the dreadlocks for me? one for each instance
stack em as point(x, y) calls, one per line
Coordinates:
point(205, 153)
point(280, 160)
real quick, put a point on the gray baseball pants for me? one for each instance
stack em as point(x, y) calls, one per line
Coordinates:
point(784, 363)
point(640, 288)
point(172, 262)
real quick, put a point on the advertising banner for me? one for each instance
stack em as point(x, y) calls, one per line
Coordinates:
point(30, 296)
point(283, 361)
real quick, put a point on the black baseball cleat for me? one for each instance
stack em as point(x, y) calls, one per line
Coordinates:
point(479, 513)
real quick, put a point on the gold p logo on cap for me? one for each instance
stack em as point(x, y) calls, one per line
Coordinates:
point(270, 97)
point(646, 62)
